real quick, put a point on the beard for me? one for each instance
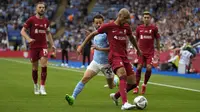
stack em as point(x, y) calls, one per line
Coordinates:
point(41, 13)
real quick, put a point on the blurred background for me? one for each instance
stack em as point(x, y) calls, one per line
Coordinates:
point(177, 20)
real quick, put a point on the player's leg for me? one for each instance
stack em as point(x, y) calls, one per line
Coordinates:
point(147, 73)
point(43, 63)
point(91, 71)
point(119, 69)
point(114, 83)
point(66, 56)
point(138, 73)
point(34, 60)
point(131, 79)
point(121, 72)
point(35, 77)
point(79, 86)
point(107, 71)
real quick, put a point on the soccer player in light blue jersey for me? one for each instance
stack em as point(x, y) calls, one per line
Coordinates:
point(99, 62)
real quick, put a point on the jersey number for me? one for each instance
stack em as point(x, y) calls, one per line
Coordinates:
point(108, 70)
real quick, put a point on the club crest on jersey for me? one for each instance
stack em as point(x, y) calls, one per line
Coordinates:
point(125, 31)
point(114, 31)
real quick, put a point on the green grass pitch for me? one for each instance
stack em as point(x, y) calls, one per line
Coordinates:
point(16, 93)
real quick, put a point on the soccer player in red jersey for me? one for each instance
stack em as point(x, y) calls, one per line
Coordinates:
point(145, 35)
point(118, 32)
point(38, 27)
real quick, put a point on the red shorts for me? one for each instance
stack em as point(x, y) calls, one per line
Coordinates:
point(37, 53)
point(145, 59)
point(117, 62)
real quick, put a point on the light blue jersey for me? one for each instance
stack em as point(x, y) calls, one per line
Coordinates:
point(101, 57)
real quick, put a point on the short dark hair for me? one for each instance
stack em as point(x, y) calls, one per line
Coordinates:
point(41, 3)
point(146, 13)
point(98, 16)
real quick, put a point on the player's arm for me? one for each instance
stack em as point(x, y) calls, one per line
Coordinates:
point(137, 34)
point(104, 49)
point(133, 41)
point(25, 35)
point(50, 38)
point(158, 44)
point(88, 38)
point(101, 49)
point(157, 35)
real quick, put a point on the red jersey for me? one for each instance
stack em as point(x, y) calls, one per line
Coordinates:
point(145, 36)
point(117, 38)
point(38, 28)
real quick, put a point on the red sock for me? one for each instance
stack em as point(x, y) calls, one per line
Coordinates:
point(138, 76)
point(43, 75)
point(129, 87)
point(147, 76)
point(35, 76)
point(122, 89)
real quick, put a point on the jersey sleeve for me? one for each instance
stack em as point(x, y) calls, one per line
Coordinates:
point(156, 34)
point(103, 28)
point(28, 23)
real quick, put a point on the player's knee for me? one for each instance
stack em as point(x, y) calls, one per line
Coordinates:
point(139, 67)
point(149, 68)
point(44, 62)
point(85, 79)
point(34, 67)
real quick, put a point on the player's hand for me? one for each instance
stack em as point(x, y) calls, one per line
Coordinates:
point(30, 41)
point(79, 49)
point(94, 47)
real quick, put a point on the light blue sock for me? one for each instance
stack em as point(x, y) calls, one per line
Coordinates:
point(79, 87)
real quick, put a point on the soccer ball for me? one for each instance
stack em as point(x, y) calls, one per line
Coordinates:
point(140, 102)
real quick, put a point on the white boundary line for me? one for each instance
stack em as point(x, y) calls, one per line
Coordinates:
point(76, 70)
